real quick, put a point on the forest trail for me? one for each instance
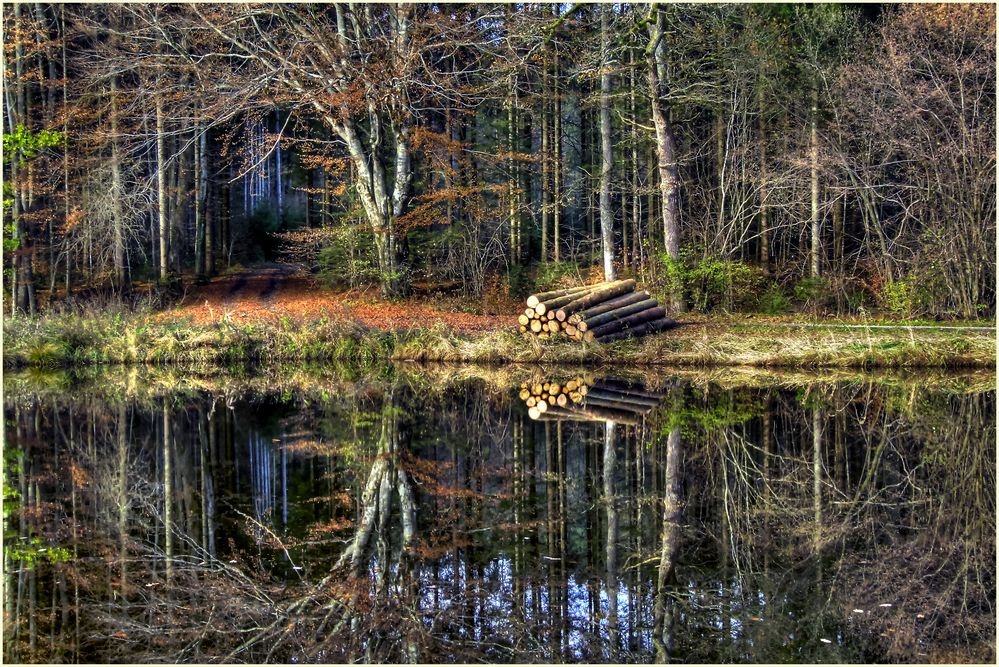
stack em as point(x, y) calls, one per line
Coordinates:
point(274, 292)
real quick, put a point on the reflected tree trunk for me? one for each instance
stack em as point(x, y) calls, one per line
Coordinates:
point(123, 499)
point(817, 473)
point(672, 505)
point(610, 461)
point(167, 492)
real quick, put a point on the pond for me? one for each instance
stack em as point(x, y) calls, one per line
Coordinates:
point(440, 514)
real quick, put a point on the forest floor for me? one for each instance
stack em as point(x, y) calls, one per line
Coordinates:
point(277, 292)
point(275, 313)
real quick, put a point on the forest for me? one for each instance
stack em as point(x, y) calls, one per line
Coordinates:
point(265, 398)
point(838, 159)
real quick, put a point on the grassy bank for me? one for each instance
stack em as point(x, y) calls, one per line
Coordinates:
point(319, 382)
point(73, 340)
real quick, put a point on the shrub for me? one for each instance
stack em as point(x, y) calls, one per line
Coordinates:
point(555, 275)
point(348, 259)
point(709, 282)
point(814, 293)
point(729, 284)
point(897, 297)
point(774, 301)
point(517, 281)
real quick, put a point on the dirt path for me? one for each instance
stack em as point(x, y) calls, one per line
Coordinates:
point(274, 292)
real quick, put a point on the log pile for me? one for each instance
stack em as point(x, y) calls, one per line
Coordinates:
point(603, 312)
point(580, 398)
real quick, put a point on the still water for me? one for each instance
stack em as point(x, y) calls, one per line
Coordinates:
point(439, 514)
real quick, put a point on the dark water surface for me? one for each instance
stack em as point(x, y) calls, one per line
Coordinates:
point(407, 514)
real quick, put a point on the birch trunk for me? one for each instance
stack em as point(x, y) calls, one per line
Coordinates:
point(607, 153)
point(120, 270)
point(161, 192)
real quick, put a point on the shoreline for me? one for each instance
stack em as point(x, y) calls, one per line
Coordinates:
point(73, 340)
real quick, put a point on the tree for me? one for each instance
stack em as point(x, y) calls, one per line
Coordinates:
point(665, 143)
point(368, 86)
point(606, 149)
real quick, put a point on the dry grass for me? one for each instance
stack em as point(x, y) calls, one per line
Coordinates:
point(75, 339)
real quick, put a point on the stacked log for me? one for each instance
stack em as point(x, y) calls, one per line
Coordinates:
point(603, 312)
point(541, 396)
point(580, 398)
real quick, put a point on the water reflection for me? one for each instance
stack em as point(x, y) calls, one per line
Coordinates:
point(422, 516)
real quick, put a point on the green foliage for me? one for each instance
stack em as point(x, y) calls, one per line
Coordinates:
point(926, 290)
point(714, 282)
point(8, 199)
point(856, 299)
point(898, 297)
point(13, 459)
point(349, 259)
point(773, 301)
point(720, 412)
point(674, 273)
point(10, 244)
point(711, 282)
point(554, 275)
point(814, 293)
point(27, 144)
point(518, 282)
point(34, 550)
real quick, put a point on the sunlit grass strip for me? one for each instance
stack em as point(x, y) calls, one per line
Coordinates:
point(73, 340)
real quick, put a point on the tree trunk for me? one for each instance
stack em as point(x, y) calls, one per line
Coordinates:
point(607, 153)
point(277, 168)
point(178, 205)
point(65, 131)
point(161, 189)
point(609, 474)
point(511, 131)
point(557, 156)
point(546, 194)
point(211, 207)
point(669, 173)
point(663, 610)
point(118, 187)
point(635, 197)
point(764, 210)
point(814, 162)
point(199, 202)
point(167, 493)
